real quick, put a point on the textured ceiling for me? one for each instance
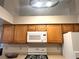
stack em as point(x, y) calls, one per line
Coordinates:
point(23, 8)
point(65, 7)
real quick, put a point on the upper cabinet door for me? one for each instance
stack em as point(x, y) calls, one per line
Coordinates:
point(20, 35)
point(37, 27)
point(67, 28)
point(31, 27)
point(41, 27)
point(8, 31)
point(54, 33)
point(76, 27)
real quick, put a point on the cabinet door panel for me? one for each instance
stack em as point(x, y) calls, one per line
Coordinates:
point(41, 27)
point(31, 27)
point(76, 28)
point(67, 28)
point(20, 34)
point(8, 31)
point(54, 33)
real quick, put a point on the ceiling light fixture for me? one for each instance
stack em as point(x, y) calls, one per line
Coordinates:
point(43, 3)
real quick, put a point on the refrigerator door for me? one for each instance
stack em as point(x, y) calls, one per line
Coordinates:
point(68, 50)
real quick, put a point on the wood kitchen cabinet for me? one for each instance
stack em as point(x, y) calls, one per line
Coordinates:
point(37, 27)
point(67, 28)
point(76, 27)
point(54, 33)
point(8, 31)
point(31, 27)
point(41, 27)
point(20, 34)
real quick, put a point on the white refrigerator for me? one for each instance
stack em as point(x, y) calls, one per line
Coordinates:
point(71, 45)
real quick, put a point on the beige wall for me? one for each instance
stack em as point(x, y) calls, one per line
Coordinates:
point(45, 19)
point(23, 48)
point(5, 15)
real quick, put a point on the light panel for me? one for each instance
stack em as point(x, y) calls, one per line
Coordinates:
point(43, 3)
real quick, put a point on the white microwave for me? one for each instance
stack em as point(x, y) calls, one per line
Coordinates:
point(37, 36)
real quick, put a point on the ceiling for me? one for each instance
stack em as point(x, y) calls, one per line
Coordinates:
point(23, 8)
point(65, 7)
